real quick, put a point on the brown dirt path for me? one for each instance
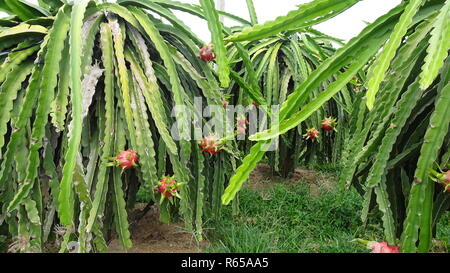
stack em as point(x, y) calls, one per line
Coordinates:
point(149, 235)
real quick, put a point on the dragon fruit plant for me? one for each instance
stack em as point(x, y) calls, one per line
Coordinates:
point(207, 53)
point(442, 178)
point(168, 187)
point(400, 128)
point(268, 71)
point(397, 121)
point(382, 247)
point(224, 102)
point(79, 82)
point(242, 123)
point(211, 144)
point(311, 134)
point(125, 160)
point(329, 124)
point(378, 247)
point(82, 80)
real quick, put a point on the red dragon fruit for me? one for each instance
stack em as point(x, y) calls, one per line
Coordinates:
point(168, 187)
point(207, 53)
point(382, 247)
point(242, 123)
point(211, 145)
point(312, 134)
point(126, 160)
point(224, 102)
point(443, 179)
point(329, 124)
point(447, 180)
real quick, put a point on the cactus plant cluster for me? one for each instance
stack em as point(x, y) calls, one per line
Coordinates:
point(87, 89)
point(397, 129)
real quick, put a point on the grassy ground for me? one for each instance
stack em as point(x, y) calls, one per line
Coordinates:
point(443, 232)
point(301, 214)
point(287, 218)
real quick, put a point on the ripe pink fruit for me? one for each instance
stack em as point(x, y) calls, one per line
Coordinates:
point(210, 144)
point(162, 187)
point(207, 53)
point(382, 247)
point(312, 134)
point(242, 123)
point(224, 102)
point(126, 160)
point(329, 124)
point(167, 186)
point(444, 179)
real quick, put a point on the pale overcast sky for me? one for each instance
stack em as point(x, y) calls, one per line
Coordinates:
point(344, 26)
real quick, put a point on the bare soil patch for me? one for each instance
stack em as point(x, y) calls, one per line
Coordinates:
point(150, 235)
point(262, 178)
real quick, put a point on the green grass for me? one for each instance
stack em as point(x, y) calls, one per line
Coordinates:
point(143, 196)
point(3, 244)
point(329, 169)
point(443, 231)
point(290, 220)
